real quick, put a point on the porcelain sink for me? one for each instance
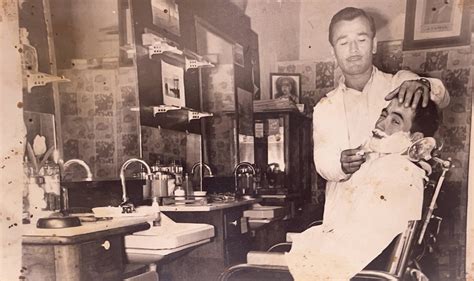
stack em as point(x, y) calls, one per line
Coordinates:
point(169, 235)
point(264, 212)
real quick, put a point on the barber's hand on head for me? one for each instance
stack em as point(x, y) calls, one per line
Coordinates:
point(412, 92)
point(351, 161)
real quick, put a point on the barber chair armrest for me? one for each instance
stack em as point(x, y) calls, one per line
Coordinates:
point(280, 247)
point(232, 271)
point(266, 258)
point(377, 275)
point(290, 235)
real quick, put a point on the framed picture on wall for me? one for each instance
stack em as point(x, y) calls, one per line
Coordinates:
point(238, 51)
point(245, 111)
point(436, 23)
point(166, 15)
point(172, 78)
point(285, 86)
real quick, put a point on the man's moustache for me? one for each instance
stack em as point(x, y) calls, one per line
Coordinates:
point(354, 58)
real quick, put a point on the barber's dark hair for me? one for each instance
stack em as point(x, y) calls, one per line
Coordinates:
point(426, 119)
point(348, 14)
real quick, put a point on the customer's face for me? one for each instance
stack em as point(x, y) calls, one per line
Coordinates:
point(395, 118)
point(353, 45)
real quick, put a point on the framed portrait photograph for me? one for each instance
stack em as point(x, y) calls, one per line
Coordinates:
point(436, 23)
point(172, 78)
point(285, 86)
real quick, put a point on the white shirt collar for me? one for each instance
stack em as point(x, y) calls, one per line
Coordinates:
point(342, 80)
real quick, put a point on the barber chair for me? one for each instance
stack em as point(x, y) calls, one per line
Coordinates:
point(400, 258)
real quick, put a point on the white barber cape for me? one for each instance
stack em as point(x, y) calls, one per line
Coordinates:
point(373, 207)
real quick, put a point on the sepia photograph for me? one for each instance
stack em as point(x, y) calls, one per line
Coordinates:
point(432, 23)
point(173, 84)
point(236, 140)
point(286, 86)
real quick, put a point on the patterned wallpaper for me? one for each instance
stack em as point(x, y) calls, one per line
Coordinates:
point(163, 145)
point(97, 123)
point(219, 98)
point(455, 67)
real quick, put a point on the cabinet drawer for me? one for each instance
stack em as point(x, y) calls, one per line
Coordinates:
point(102, 259)
point(233, 223)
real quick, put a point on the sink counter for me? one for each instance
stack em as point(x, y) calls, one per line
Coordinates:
point(207, 207)
point(92, 251)
point(86, 232)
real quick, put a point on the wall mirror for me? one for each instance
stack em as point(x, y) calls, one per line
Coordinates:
point(95, 111)
point(245, 126)
point(218, 87)
point(276, 142)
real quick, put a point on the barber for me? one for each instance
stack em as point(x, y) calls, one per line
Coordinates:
point(343, 119)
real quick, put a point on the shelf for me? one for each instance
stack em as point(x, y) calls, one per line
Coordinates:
point(173, 117)
point(35, 79)
point(158, 45)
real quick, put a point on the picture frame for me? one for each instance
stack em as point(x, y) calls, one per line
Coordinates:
point(280, 80)
point(172, 80)
point(245, 112)
point(436, 24)
point(245, 125)
point(238, 52)
point(166, 15)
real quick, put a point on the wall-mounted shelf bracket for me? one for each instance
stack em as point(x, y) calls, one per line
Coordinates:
point(193, 63)
point(187, 114)
point(164, 108)
point(160, 48)
point(34, 79)
point(195, 115)
point(158, 45)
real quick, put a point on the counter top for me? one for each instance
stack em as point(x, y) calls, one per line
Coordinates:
point(86, 232)
point(207, 207)
point(279, 196)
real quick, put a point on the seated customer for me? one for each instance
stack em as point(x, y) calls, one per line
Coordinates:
point(373, 206)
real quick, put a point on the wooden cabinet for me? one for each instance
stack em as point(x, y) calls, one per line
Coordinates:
point(101, 259)
point(228, 247)
point(95, 255)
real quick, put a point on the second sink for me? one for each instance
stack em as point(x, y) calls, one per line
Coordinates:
point(169, 235)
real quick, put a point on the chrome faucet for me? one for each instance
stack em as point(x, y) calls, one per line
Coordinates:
point(80, 162)
point(236, 169)
point(203, 165)
point(62, 169)
point(122, 175)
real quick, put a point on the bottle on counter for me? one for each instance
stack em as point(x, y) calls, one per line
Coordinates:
point(156, 210)
point(51, 186)
point(179, 195)
point(187, 185)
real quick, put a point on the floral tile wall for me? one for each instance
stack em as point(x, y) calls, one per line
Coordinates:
point(218, 88)
point(317, 79)
point(163, 145)
point(219, 98)
point(389, 56)
point(98, 125)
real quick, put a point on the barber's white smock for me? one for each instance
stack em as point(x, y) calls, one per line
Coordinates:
point(373, 207)
point(345, 117)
